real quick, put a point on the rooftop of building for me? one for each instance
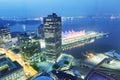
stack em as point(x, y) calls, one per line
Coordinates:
point(63, 75)
point(45, 66)
point(56, 74)
point(95, 75)
point(53, 15)
point(64, 57)
point(43, 78)
point(7, 66)
point(2, 55)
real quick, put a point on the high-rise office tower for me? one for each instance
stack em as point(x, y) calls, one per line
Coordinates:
point(52, 35)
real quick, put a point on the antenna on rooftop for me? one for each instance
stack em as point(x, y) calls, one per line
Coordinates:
point(24, 27)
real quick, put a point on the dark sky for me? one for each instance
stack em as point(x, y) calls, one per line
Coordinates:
point(36, 8)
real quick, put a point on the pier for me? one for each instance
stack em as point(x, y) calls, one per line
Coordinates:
point(69, 43)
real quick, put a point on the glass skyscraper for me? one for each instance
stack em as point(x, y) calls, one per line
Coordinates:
point(52, 35)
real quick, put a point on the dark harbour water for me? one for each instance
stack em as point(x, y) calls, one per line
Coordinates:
point(88, 24)
point(112, 42)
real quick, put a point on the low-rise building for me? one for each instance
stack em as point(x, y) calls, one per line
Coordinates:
point(95, 75)
point(5, 34)
point(30, 49)
point(10, 70)
point(64, 61)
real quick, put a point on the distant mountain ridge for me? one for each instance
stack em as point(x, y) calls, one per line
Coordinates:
point(5, 23)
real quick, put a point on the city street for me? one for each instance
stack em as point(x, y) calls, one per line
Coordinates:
point(29, 71)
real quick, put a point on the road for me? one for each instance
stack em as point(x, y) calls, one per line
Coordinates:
point(99, 57)
point(29, 71)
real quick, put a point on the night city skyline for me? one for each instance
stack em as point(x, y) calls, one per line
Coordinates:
point(59, 40)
